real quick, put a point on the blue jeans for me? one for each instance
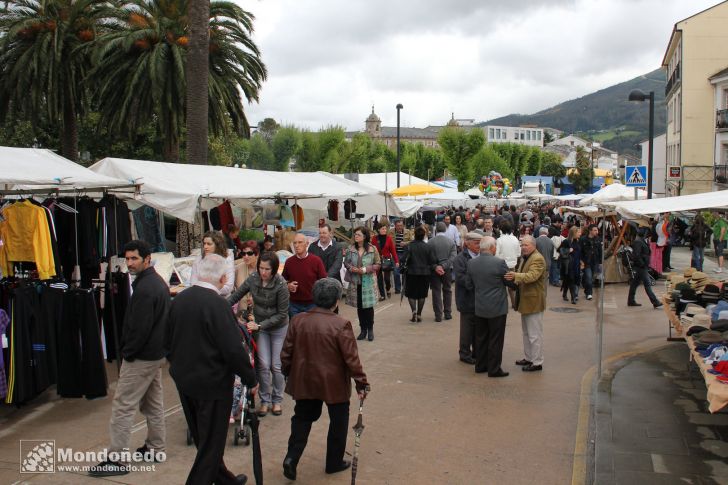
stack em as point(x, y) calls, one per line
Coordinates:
point(698, 257)
point(588, 278)
point(268, 365)
point(397, 275)
point(296, 308)
point(554, 272)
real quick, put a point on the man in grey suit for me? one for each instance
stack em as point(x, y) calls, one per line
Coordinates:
point(546, 247)
point(445, 251)
point(464, 297)
point(485, 276)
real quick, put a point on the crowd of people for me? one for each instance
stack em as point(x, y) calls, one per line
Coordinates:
point(494, 259)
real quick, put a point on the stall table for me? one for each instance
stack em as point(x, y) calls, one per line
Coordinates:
point(717, 391)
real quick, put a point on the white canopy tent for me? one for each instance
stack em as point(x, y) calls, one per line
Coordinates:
point(707, 200)
point(181, 190)
point(386, 181)
point(615, 192)
point(35, 168)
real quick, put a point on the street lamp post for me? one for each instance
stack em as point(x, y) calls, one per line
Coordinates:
point(638, 95)
point(399, 107)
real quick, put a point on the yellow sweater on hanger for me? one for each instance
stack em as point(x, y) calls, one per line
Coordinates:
point(26, 237)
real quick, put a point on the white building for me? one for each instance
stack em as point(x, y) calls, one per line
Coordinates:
point(571, 141)
point(530, 136)
point(659, 163)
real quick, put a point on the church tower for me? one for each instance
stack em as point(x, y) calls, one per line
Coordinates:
point(373, 125)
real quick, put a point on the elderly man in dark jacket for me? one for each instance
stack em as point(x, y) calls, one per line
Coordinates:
point(320, 358)
point(465, 298)
point(640, 263)
point(485, 277)
point(441, 280)
point(205, 353)
point(142, 348)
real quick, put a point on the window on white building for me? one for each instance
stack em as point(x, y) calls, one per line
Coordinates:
point(538, 133)
point(497, 133)
point(724, 155)
point(491, 133)
point(528, 135)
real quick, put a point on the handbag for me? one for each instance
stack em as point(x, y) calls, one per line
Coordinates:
point(387, 264)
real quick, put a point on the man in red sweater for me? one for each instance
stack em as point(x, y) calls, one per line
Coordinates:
point(301, 271)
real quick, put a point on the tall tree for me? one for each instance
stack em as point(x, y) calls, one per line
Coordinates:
point(308, 158)
point(141, 69)
point(44, 61)
point(458, 147)
point(581, 176)
point(198, 57)
point(285, 144)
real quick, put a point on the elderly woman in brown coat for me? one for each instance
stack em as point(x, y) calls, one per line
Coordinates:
point(320, 358)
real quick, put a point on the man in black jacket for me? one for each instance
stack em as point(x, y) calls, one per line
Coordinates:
point(465, 297)
point(140, 377)
point(591, 258)
point(640, 263)
point(205, 353)
point(329, 251)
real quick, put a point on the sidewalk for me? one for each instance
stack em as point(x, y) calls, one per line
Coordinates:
point(653, 425)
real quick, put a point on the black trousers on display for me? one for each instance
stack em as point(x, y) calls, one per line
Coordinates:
point(305, 413)
point(81, 370)
point(489, 336)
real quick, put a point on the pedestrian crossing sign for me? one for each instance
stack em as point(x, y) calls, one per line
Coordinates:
point(636, 176)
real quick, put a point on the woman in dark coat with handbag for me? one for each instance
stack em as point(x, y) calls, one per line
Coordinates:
point(419, 262)
point(385, 245)
point(570, 261)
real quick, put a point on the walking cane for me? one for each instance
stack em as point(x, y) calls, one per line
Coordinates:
point(358, 428)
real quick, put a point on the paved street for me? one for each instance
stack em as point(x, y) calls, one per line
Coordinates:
point(429, 418)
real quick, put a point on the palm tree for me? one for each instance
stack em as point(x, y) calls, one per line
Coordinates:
point(197, 86)
point(142, 65)
point(44, 59)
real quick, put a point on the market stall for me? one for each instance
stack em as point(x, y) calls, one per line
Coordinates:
point(53, 239)
point(183, 190)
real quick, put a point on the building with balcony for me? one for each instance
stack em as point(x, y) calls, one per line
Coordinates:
point(696, 51)
point(523, 135)
point(720, 89)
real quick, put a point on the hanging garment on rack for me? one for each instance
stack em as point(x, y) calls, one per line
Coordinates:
point(349, 208)
point(333, 209)
point(20, 373)
point(26, 237)
point(78, 239)
point(215, 224)
point(54, 239)
point(27, 312)
point(4, 322)
point(189, 237)
point(226, 215)
point(113, 315)
point(81, 369)
point(298, 216)
point(146, 220)
point(114, 226)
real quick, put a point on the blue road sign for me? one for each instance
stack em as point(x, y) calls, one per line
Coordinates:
point(636, 176)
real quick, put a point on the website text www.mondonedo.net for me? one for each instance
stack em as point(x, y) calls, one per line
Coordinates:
point(42, 456)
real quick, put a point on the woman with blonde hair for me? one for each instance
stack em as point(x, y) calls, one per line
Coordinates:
point(213, 242)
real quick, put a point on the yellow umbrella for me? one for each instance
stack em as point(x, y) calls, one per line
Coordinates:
point(416, 189)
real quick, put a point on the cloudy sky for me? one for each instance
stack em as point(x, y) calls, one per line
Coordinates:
point(329, 61)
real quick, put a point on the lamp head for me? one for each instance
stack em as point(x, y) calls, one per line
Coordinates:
point(637, 95)
point(399, 106)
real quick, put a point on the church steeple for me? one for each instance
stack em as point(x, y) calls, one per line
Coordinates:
point(373, 124)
